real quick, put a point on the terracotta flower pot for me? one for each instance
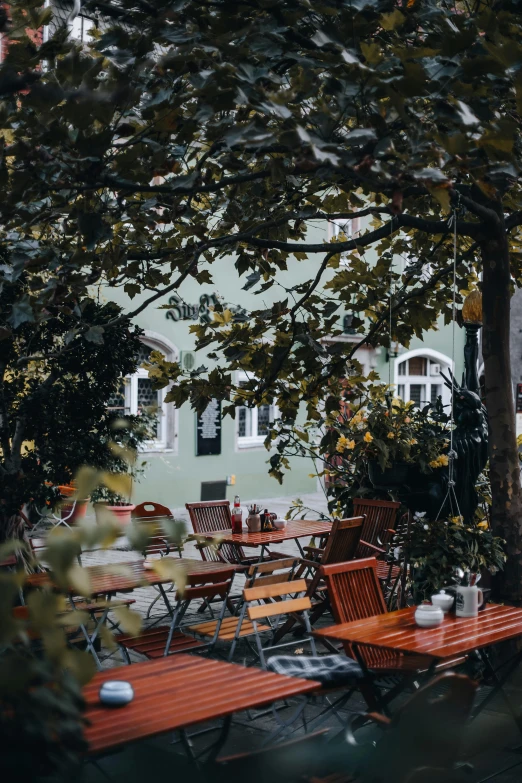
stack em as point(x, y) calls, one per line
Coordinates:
point(71, 512)
point(122, 513)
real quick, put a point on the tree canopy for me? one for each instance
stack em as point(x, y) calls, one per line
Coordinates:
point(188, 132)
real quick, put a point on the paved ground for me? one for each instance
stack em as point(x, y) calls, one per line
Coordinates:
point(487, 744)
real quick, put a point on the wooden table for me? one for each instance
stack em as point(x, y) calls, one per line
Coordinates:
point(176, 692)
point(457, 636)
point(295, 529)
point(121, 577)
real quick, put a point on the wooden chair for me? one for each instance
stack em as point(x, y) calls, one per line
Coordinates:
point(152, 513)
point(380, 518)
point(158, 641)
point(422, 741)
point(380, 521)
point(355, 594)
point(340, 547)
point(279, 600)
point(213, 516)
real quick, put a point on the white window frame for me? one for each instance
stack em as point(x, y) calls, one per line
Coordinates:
point(169, 415)
point(349, 227)
point(432, 357)
point(251, 441)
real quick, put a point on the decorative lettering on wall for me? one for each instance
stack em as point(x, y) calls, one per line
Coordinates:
point(181, 311)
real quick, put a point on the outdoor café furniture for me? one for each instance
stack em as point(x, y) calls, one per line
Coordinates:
point(153, 513)
point(214, 516)
point(107, 580)
point(294, 530)
point(380, 522)
point(385, 642)
point(340, 547)
point(178, 692)
point(156, 642)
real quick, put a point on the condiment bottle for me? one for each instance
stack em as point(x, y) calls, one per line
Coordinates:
point(237, 516)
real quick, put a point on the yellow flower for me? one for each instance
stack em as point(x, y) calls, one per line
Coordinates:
point(342, 444)
point(412, 442)
point(443, 459)
point(350, 444)
point(368, 437)
point(457, 520)
point(435, 463)
point(483, 525)
point(391, 435)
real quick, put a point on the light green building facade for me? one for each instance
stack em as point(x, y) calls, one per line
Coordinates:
point(175, 472)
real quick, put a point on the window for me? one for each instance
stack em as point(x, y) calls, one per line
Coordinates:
point(419, 378)
point(253, 424)
point(136, 395)
point(341, 230)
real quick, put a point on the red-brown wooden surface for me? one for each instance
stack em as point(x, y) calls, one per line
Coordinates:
point(177, 692)
point(380, 519)
point(456, 636)
point(209, 516)
point(343, 540)
point(295, 529)
point(105, 579)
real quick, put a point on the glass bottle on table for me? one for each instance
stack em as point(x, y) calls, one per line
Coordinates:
point(237, 516)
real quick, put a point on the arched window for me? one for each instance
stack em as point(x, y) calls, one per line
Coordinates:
point(136, 394)
point(418, 376)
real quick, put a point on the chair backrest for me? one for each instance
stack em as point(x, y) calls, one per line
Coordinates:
point(343, 540)
point(272, 572)
point(209, 517)
point(355, 594)
point(151, 510)
point(209, 585)
point(379, 523)
point(279, 599)
point(153, 513)
point(425, 733)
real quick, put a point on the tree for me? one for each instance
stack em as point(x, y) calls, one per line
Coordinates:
point(192, 131)
point(54, 416)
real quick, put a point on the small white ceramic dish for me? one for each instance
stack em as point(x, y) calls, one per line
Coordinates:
point(116, 693)
point(428, 616)
point(444, 600)
point(279, 524)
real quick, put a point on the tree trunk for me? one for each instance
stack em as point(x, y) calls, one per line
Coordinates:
point(506, 512)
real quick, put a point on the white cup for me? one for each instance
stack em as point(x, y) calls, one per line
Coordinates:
point(468, 601)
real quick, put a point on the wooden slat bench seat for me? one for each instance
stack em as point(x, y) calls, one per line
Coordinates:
point(151, 643)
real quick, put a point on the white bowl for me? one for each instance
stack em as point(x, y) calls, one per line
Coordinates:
point(279, 524)
point(116, 693)
point(428, 616)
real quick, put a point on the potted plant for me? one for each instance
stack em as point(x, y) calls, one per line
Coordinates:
point(435, 549)
point(122, 467)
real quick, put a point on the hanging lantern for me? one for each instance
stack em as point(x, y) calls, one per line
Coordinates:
point(472, 308)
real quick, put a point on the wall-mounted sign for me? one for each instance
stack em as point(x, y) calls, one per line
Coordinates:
point(181, 311)
point(208, 432)
point(202, 312)
point(519, 398)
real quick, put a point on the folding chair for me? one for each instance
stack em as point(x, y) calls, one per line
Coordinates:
point(213, 516)
point(151, 513)
point(159, 641)
point(332, 671)
point(340, 547)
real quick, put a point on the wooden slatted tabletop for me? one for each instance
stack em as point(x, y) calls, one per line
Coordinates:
point(118, 577)
point(294, 529)
point(179, 691)
point(456, 636)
